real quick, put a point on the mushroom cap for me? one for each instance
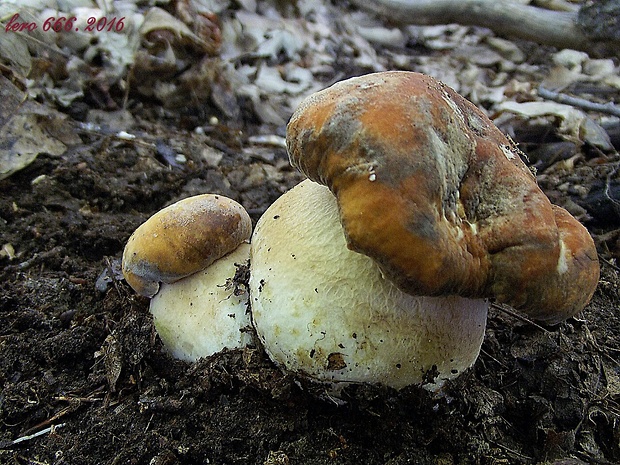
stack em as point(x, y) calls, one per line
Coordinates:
point(326, 313)
point(205, 312)
point(182, 239)
point(430, 189)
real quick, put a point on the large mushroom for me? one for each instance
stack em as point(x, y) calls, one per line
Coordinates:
point(439, 213)
point(430, 189)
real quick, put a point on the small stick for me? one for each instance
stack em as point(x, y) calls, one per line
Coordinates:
point(509, 450)
point(519, 317)
point(604, 260)
point(78, 399)
point(60, 414)
point(485, 353)
point(608, 108)
point(52, 429)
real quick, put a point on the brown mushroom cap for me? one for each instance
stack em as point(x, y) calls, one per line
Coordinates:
point(182, 239)
point(430, 189)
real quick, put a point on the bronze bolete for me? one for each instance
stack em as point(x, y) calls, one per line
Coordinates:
point(430, 189)
point(185, 257)
point(380, 267)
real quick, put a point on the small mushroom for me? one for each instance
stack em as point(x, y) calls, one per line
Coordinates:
point(185, 257)
point(430, 189)
point(327, 314)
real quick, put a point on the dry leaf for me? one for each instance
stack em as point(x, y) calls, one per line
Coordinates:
point(28, 129)
point(575, 125)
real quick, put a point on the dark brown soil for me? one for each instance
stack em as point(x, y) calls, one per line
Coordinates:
point(78, 352)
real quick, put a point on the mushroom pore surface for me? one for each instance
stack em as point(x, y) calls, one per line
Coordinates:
point(430, 189)
point(326, 313)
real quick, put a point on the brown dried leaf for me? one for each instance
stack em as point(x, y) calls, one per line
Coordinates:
point(28, 129)
point(113, 360)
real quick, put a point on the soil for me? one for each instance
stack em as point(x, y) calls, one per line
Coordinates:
point(81, 364)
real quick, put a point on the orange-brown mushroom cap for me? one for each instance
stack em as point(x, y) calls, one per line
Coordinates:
point(183, 238)
point(430, 189)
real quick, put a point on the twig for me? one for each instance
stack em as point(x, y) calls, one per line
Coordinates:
point(505, 17)
point(614, 202)
point(509, 450)
point(60, 414)
point(38, 257)
point(604, 260)
point(78, 399)
point(608, 108)
point(486, 354)
point(51, 429)
point(91, 397)
point(606, 347)
point(592, 459)
point(519, 317)
point(148, 424)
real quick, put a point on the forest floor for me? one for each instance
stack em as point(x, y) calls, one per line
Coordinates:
point(84, 378)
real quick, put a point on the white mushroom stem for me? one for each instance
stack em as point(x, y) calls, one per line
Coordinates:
point(206, 312)
point(326, 313)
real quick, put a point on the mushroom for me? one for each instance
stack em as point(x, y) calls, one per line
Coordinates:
point(327, 314)
point(380, 267)
point(185, 257)
point(430, 189)
point(431, 211)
